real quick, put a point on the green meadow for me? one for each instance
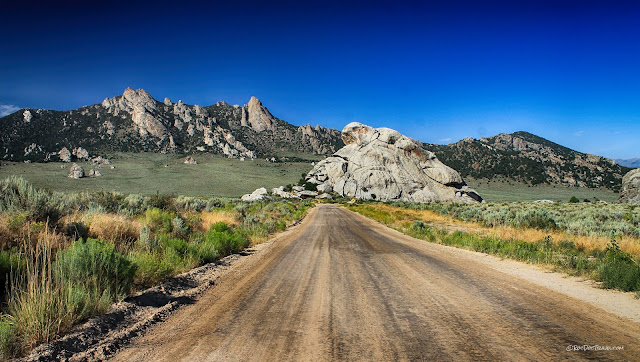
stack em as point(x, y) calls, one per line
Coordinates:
point(150, 173)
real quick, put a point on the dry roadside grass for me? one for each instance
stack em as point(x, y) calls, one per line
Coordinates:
point(400, 217)
point(115, 228)
point(209, 218)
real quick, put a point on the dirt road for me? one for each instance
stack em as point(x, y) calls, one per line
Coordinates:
point(342, 287)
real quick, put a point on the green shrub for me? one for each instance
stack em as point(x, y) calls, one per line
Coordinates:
point(133, 204)
point(310, 186)
point(220, 227)
point(7, 338)
point(96, 266)
point(178, 245)
point(107, 201)
point(179, 227)
point(151, 268)
point(149, 242)
point(160, 201)
point(226, 242)
point(534, 218)
point(203, 251)
point(574, 200)
point(17, 195)
point(619, 270)
point(190, 203)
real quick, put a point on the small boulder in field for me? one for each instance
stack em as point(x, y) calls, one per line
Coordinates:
point(279, 191)
point(76, 171)
point(94, 173)
point(257, 195)
point(190, 161)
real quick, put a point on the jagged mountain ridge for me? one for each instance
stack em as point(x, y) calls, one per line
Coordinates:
point(135, 121)
point(527, 158)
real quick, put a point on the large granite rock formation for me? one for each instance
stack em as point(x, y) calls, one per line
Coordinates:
point(382, 164)
point(630, 192)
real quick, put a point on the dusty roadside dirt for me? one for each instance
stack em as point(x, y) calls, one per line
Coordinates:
point(342, 287)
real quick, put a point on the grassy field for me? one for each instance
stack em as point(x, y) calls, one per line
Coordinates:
point(145, 173)
point(499, 191)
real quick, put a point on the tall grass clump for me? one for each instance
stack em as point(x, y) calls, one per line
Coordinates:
point(53, 291)
point(16, 195)
point(40, 306)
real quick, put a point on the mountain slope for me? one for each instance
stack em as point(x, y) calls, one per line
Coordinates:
point(135, 121)
point(530, 159)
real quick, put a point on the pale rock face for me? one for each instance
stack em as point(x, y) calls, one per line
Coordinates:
point(64, 154)
point(630, 192)
point(191, 130)
point(257, 195)
point(201, 112)
point(306, 194)
point(324, 196)
point(108, 128)
point(382, 164)
point(27, 116)
point(279, 191)
point(257, 116)
point(325, 188)
point(167, 102)
point(76, 171)
point(142, 108)
point(182, 111)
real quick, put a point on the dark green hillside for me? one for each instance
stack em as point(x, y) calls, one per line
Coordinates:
point(529, 159)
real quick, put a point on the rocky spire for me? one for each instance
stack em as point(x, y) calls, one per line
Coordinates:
point(257, 116)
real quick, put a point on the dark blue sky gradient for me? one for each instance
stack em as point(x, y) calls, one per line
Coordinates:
point(438, 71)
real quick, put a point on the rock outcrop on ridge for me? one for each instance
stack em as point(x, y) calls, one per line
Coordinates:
point(630, 192)
point(381, 164)
point(136, 122)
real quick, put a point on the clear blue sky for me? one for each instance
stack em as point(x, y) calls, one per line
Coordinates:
point(437, 71)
